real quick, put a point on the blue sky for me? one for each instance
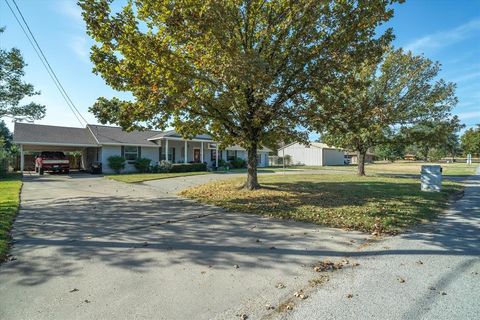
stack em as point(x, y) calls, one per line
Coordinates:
point(444, 30)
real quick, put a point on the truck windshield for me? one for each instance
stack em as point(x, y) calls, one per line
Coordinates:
point(53, 155)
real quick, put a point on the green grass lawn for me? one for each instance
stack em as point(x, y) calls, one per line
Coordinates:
point(140, 177)
point(449, 169)
point(382, 204)
point(9, 201)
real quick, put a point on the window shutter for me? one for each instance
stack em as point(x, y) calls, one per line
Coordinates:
point(122, 151)
point(139, 152)
point(160, 154)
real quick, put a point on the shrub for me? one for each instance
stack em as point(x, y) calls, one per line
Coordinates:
point(142, 164)
point(189, 167)
point(238, 163)
point(164, 166)
point(116, 163)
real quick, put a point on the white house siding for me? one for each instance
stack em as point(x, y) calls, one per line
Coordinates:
point(108, 151)
point(150, 153)
point(333, 157)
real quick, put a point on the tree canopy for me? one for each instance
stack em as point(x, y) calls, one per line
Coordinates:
point(242, 70)
point(376, 99)
point(13, 89)
point(471, 141)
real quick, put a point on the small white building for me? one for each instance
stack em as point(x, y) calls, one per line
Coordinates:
point(313, 154)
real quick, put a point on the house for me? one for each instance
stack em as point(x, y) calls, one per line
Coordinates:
point(98, 143)
point(352, 157)
point(312, 154)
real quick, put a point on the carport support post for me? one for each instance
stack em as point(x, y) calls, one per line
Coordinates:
point(186, 152)
point(201, 151)
point(166, 149)
point(216, 155)
point(22, 159)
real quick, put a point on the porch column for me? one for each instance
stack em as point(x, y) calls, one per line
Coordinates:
point(201, 151)
point(22, 159)
point(216, 152)
point(166, 149)
point(186, 152)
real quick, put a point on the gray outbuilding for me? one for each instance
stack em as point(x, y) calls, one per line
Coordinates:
point(313, 154)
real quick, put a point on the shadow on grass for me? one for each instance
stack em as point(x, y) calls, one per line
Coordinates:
point(353, 204)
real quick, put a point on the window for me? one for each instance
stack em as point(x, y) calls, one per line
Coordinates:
point(130, 153)
point(259, 158)
point(171, 154)
point(213, 155)
point(231, 155)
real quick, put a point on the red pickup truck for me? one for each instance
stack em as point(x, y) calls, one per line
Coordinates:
point(52, 161)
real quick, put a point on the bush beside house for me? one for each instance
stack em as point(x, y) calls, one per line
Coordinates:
point(189, 167)
point(143, 165)
point(116, 163)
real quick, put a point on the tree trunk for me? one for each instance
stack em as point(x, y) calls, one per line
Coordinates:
point(361, 163)
point(252, 180)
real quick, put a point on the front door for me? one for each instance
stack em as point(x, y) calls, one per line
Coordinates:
point(196, 155)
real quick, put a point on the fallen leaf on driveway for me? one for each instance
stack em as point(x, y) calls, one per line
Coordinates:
point(401, 280)
point(349, 296)
point(432, 288)
point(280, 285)
point(300, 295)
point(444, 293)
point(419, 262)
point(269, 307)
point(327, 265)
point(243, 316)
point(86, 301)
point(236, 266)
point(74, 290)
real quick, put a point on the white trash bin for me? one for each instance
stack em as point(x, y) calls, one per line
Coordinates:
point(431, 178)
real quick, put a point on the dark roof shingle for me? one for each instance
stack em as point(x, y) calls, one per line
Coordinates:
point(36, 133)
point(115, 135)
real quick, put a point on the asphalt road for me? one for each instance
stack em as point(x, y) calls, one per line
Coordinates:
point(430, 273)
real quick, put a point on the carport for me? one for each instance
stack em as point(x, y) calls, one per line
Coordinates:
point(38, 138)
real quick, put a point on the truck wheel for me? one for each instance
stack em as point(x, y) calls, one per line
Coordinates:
point(36, 169)
point(41, 171)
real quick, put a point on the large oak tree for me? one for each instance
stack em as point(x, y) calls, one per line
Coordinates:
point(242, 70)
point(380, 97)
point(13, 90)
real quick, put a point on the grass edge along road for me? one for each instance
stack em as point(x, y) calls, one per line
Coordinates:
point(10, 187)
point(370, 204)
point(141, 177)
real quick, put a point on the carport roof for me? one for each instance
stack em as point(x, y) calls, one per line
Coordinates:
point(36, 134)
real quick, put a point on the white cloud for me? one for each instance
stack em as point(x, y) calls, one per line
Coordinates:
point(445, 38)
point(469, 115)
point(71, 10)
point(80, 47)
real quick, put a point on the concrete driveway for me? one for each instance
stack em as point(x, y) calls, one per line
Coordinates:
point(91, 248)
